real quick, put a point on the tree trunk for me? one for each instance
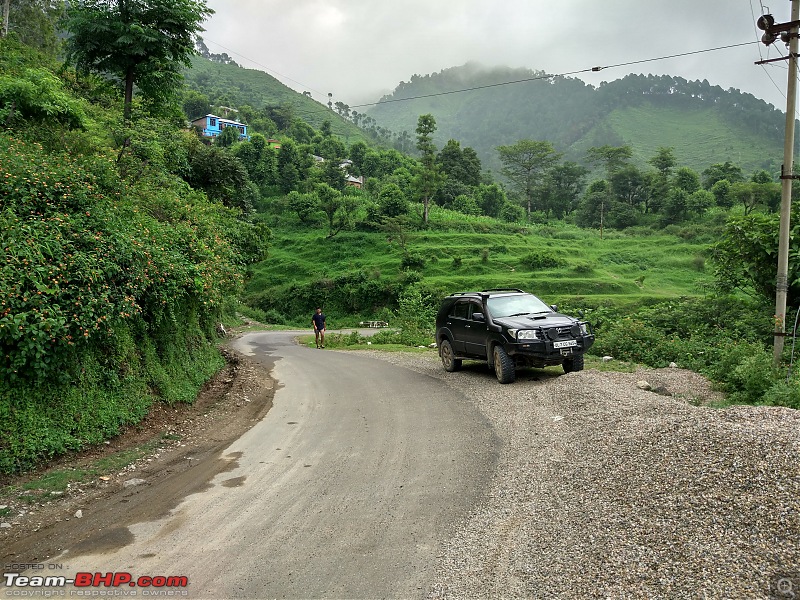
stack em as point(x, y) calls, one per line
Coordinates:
point(6, 8)
point(128, 95)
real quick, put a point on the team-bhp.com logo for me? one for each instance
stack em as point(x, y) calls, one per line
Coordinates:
point(158, 585)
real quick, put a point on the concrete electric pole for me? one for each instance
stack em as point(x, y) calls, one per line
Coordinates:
point(788, 34)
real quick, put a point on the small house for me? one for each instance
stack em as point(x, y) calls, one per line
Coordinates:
point(356, 182)
point(211, 126)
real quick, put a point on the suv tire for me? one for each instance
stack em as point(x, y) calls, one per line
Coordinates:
point(449, 360)
point(573, 364)
point(504, 367)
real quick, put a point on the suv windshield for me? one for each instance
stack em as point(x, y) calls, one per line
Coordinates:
point(519, 304)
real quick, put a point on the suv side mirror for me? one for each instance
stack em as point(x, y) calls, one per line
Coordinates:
point(478, 317)
point(554, 307)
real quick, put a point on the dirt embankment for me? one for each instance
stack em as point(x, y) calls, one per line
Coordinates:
point(186, 444)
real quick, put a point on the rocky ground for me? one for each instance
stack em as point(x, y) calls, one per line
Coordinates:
point(607, 490)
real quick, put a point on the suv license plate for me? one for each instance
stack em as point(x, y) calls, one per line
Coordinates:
point(565, 344)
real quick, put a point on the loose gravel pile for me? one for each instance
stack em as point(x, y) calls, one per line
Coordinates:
point(605, 490)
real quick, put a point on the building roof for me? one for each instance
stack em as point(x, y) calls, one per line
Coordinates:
point(220, 120)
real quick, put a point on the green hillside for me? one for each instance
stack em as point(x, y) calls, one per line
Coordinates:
point(699, 137)
point(231, 85)
point(704, 123)
point(358, 274)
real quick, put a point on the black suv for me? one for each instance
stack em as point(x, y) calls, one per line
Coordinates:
point(509, 327)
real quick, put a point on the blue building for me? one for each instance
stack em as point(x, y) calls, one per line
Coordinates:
point(211, 126)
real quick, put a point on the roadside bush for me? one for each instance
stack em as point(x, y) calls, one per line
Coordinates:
point(412, 261)
point(357, 293)
point(783, 394)
point(109, 295)
point(274, 317)
point(540, 260)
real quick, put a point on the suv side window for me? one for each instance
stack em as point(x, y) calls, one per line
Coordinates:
point(460, 310)
point(474, 307)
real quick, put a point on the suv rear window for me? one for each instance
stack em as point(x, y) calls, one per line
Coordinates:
point(460, 310)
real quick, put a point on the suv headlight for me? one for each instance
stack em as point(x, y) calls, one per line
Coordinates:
point(524, 334)
point(585, 329)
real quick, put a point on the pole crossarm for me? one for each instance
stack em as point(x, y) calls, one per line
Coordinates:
point(772, 60)
point(778, 27)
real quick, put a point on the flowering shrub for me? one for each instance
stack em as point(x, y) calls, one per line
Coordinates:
point(108, 296)
point(80, 255)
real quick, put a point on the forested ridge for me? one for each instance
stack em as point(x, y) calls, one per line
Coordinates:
point(574, 116)
point(128, 238)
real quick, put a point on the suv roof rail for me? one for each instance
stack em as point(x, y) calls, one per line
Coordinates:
point(462, 293)
point(503, 290)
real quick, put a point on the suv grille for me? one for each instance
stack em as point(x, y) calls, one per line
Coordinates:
point(560, 333)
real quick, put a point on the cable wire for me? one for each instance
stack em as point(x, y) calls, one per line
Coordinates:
point(300, 83)
point(504, 83)
point(550, 76)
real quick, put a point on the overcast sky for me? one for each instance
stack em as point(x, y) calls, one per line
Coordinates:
point(359, 50)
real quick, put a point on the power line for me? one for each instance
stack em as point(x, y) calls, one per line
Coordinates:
point(300, 83)
point(636, 62)
point(550, 76)
point(504, 83)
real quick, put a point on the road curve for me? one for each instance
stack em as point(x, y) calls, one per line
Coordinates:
point(346, 489)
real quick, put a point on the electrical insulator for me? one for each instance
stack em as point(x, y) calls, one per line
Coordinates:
point(765, 22)
point(768, 38)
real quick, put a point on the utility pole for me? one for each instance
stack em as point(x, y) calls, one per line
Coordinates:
point(788, 33)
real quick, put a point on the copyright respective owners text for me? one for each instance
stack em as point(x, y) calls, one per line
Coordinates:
point(40, 580)
point(785, 585)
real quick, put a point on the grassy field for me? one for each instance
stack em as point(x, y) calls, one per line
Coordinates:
point(562, 264)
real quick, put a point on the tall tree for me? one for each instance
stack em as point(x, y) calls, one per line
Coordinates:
point(525, 165)
point(462, 165)
point(427, 178)
point(143, 42)
point(565, 184)
point(719, 171)
point(292, 168)
point(658, 181)
point(612, 158)
point(34, 22)
point(664, 161)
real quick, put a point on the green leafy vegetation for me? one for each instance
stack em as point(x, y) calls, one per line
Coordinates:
point(114, 271)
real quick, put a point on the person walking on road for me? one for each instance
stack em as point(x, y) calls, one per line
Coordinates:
point(318, 321)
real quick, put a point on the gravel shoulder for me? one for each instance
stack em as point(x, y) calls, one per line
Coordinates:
point(604, 490)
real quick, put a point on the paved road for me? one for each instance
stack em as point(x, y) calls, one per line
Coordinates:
point(346, 489)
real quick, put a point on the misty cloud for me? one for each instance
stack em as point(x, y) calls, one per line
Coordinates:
point(359, 50)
